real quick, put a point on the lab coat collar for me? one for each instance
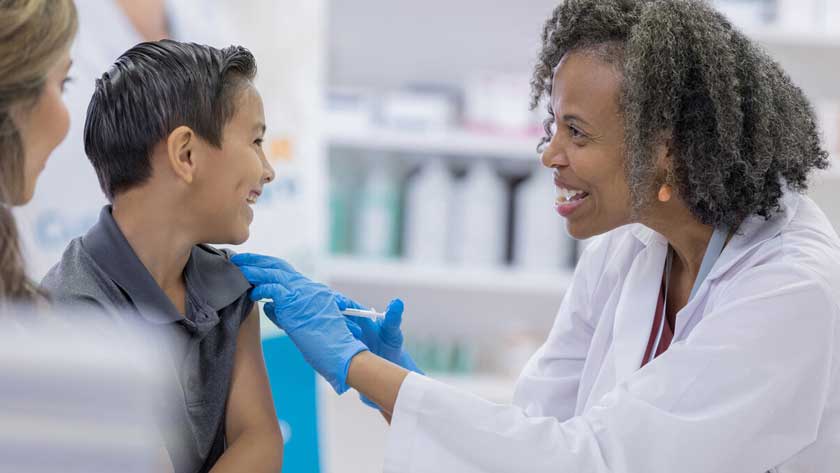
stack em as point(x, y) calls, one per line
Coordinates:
point(208, 273)
point(754, 231)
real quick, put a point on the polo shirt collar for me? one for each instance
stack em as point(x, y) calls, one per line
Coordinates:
point(208, 273)
point(219, 282)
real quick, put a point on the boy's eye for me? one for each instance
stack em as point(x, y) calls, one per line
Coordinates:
point(259, 142)
point(67, 80)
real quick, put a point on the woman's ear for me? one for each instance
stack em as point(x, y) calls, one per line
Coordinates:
point(180, 147)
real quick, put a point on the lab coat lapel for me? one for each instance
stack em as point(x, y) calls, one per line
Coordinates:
point(635, 311)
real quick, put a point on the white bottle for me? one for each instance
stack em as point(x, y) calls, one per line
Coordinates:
point(480, 215)
point(540, 241)
point(831, 18)
point(378, 213)
point(428, 196)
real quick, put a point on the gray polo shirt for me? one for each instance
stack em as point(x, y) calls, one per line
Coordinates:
point(102, 270)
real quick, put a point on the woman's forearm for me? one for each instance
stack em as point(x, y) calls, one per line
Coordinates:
point(376, 378)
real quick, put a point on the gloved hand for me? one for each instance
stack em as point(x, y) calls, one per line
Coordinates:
point(382, 337)
point(307, 311)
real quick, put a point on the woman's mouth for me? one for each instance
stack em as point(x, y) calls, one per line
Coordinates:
point(568, 200)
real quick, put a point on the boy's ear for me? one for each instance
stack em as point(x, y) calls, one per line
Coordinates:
point(180, 146)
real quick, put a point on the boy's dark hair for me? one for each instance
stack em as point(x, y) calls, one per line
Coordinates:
point(152, 89)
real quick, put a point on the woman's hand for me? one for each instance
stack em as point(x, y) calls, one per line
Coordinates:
point(307, 311)
point(382, 337)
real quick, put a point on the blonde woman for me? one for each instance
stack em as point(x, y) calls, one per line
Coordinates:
point(35, 40)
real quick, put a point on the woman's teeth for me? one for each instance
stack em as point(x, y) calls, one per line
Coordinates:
point(252, 199)
point(569, 195)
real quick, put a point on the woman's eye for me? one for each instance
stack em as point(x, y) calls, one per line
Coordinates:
point(64, 83)
point(575, 133)
point(258, 142)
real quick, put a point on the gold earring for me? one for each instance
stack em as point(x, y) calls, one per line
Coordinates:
point(665, 193)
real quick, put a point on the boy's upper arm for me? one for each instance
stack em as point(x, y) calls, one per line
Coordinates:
point(249, 404)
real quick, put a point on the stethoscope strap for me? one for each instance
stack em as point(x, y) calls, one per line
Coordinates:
point(713, 251)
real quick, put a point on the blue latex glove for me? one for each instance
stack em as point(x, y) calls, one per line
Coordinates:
point(307, 311)
point(382, 337)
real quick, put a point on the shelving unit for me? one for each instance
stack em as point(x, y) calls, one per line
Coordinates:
point(453, 302)
point(400, 273)
point(448, 143)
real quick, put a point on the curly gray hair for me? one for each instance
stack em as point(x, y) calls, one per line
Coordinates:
point(740, 129)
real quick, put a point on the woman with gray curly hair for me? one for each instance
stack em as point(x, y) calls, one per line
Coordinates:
point(701, 332)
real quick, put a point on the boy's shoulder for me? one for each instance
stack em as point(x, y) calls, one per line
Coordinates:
point(77, 279)
point(221, 281)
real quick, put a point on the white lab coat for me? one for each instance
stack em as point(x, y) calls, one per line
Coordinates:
point(750, 383)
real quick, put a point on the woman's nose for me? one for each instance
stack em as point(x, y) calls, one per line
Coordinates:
point(553, 155)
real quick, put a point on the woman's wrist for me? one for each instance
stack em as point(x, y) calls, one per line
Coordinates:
point(378, 379)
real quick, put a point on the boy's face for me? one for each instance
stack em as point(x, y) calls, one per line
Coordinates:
point(232, 178)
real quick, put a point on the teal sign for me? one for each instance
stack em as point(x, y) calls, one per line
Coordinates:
point(293, 388)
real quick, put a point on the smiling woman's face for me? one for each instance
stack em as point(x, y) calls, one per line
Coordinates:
point(586, 149)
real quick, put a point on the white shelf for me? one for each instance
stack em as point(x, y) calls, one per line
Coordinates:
point(402, 273)
point(451, 143)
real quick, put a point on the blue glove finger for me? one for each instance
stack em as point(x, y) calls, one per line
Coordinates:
point(354, 328)
point(256, 275)
point(390, 333)
point(268, 308)
point(393, 315)
point(275, 292)
point(366, 324)
point(345, 302)
point(262, 261)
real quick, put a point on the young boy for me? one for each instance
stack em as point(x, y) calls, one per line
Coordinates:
point(175, 132)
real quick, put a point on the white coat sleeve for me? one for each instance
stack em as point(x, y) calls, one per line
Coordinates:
point(744, 392)
point(548, 385)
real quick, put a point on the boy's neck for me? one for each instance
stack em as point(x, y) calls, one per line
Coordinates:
point(159, 241)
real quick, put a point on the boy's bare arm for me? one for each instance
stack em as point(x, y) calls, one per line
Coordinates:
point(255, 443)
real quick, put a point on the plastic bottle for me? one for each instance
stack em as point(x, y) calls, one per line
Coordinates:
point(377, 222)
point(428, 196)
point(540, 242)
point(480, 218)
point(341, 195)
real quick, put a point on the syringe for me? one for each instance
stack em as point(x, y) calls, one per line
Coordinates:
point(368, 314)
